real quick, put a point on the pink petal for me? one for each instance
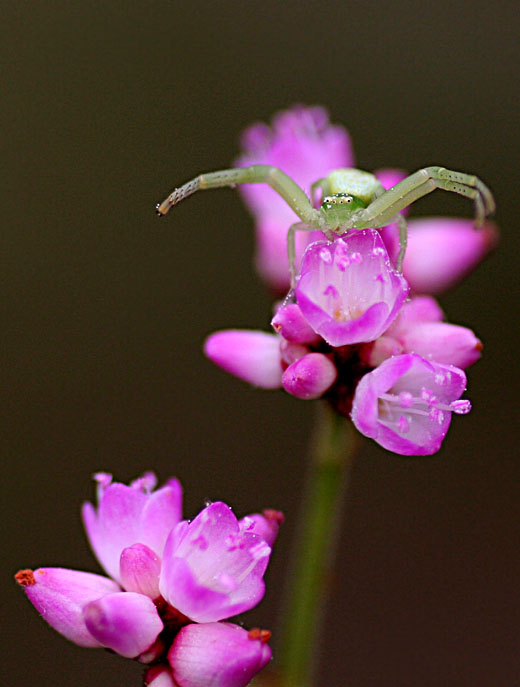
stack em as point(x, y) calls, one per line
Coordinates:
point(211, 569)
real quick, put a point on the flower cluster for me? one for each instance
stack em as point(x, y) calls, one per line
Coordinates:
point(171, 584)
point(356, 331)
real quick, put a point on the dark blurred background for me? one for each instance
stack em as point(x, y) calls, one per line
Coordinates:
point(107, 106)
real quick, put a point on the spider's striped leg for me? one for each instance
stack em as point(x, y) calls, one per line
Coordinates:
point(288, 189)
point(291, 248)
point(403, 240)
point(382, 210)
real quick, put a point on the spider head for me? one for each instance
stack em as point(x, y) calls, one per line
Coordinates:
point(337, 208)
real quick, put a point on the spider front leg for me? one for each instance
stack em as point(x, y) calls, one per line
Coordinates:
point(288, 189)
point(403, 240)
point(383, 209)
point(291, 248)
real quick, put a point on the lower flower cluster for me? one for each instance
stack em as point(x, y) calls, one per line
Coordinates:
point(351, 334)
point(172, 583)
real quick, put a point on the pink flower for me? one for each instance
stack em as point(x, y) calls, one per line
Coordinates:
point(406, 404)
point(348, 291)
point(127, 515)
point(304, 144)
point(167, 573)
point(213, 569)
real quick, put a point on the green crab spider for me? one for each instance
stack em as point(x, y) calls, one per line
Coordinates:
point(350, 199)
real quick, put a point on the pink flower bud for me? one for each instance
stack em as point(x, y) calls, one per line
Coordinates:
point(254, 356)
point(140, 570)
point(126, 622)
point(310, 377)
point(291, 324)
point(60, 595)
point(291, 352)
point(442, 251)
point(266, 525)
point(444, 343)
point(218, 654)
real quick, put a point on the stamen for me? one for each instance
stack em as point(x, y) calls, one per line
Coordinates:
point(263, 635)
point(461, 407)
point(25, 578)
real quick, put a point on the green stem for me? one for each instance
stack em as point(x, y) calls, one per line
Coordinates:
point(333, 449)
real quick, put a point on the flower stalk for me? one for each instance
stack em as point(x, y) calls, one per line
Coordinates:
point(333, 448)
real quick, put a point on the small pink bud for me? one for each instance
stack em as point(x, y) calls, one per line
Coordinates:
point(140, 570)
point(60, 595)
point(218, 654)
point(266, 524)
point(291, 324)
point(126, 622)
point(310, 377)
point(254, 356)
point(445, 343)
point(291, 352)
point(442, 251)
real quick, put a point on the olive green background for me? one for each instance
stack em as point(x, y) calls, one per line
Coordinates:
point(105, 107)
